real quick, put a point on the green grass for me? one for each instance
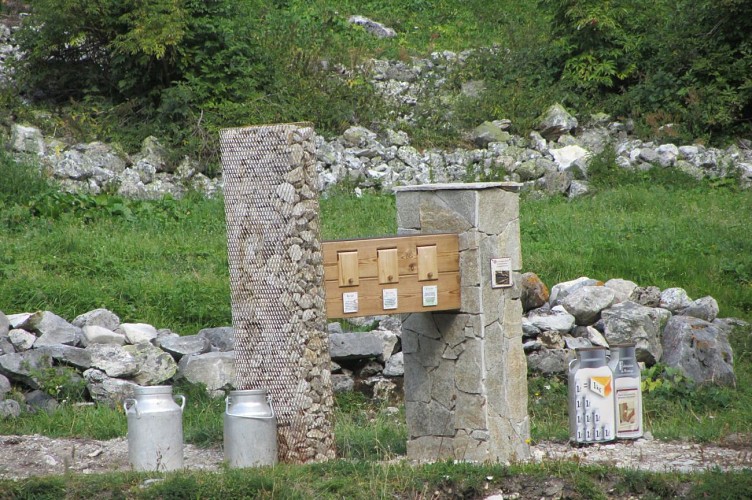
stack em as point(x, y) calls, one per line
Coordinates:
point(165, 263)
point(362, 479)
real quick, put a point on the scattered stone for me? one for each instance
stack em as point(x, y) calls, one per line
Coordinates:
point(646, 296)
point(376, 29)
point(675, 299)
point(705, 308)
point(623, 289)
point(557, 319)
point(556, 122)
point(95, 334)
point(216, 370)
point(221, 338)
point(9, 408)
point(135, 333)
point(550, 361)
point(395, 366)
point(355, 345)
point(153, 365)
point(534, 292)
point(108, 390)
point(114, 360)
point(98, 317)
point(342, 383)
point(51, 329)
point(185, 346)
point(21, 339)
point(700, 350)
point(629, 322)
point(587, 302)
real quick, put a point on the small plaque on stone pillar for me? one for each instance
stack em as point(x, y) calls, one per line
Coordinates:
point(501, 272)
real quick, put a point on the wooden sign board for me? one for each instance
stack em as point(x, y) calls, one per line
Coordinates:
point(392, 275)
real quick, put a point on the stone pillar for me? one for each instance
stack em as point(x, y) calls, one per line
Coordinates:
point(465, 372)
point(277, 281)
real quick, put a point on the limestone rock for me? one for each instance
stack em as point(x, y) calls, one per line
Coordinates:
point(622, 289)
point(376, 29)
point(108, 390)
point(576, 342)
point(185, 345)
point(342, 383)
point(135, 333)
point(114, 360)
point(4, 324)
point(395, 366)
point(22, 366)
point(94, 334)
point(556, 122)
point(221, 338)
point(52, 329)
point(568, 155)
point(705, 308)
point(587, 302)
point(595, 337)
point(486, 133)
point(5, 386)
point(646, 296)
point(153, 365)
point(551, 339)
point(560, 290)
point(98, 317)
point(699, 349)
point(675, 299)
point(215, 370)
point(21, 339)
point(557, 319)
point(534, 292)
point(550, 361)
point(10, 408)
point(629, 322)
point(69, 355)
point(355, 345)
point(27, 139)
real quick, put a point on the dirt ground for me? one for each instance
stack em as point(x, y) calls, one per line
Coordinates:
point(26, 456)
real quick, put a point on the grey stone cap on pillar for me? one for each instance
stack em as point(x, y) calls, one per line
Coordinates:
point(506, 186)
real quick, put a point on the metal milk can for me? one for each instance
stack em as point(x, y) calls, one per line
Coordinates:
point(250, 429)
point(627, 391)
point(591, 401)
point(155, 429)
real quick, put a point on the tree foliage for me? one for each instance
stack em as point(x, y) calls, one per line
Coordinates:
point(127, 49)
point(688, 62)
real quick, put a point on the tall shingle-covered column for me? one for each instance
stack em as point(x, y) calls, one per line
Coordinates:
point(465, 372)
point(277, 281)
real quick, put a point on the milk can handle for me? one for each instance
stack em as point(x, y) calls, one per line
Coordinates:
point(182, 404)
point(134, 407)
point(571, 362)
point(268, 400)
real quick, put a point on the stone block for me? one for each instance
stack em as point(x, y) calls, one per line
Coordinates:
point(469, 368)
point(430, 448)
point(437, 217)
point(428, 419)
point(497, 208)
point(470, 412)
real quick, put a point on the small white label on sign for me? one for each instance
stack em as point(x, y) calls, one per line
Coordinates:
point(350, 302)
point(430, 295)
point(389, 298)
point(501, 272)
